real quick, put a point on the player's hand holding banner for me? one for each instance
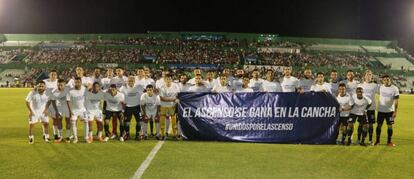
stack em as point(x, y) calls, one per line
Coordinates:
point(310, 118)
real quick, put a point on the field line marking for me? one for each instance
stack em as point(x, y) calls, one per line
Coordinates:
point(144, 165)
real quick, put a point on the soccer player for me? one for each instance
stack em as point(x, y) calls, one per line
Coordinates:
point(196, 71)
point(345, 101)
point(210, 81)
point(359, 111)
point(168, 97)
point(59, 97)
point(270, 85)
point(223, 87)
point(237, 82)
point(147, 72)
point(132, 92)
point(387, 108)
point(184, 86)
point(198, 86)
point(150, 104)
point(37, 102)
point(76, 106)
point(51, 84)
point(306, 82)
point(256, 82)
point(334, 82)
point(245, 86)
point(96, 77)
point(114, 106)
point(106, 82)
point(351, 83)
point(119, 79)
point(93, 100)
point(320, 84)
point(289, 83)
point(370, 88)
point(160, 82)
point(86, 81)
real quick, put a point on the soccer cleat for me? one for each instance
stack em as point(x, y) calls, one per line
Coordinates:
point(136, 137)
point(371, 143)
point(89, 140)
point(58, 140)
point(101, 139)
point(106, 139)
point(67, 140)
point(390, 144)
point(376, 143)
point(75, 140)
point(121, 139)
point(157, 137)
point(47, 140)
point(31, 140)
point(363, 144)
point(56, 136)
point(142, 137)
point(113, 136)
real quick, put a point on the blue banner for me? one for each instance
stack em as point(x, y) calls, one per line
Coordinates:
point(309, 118)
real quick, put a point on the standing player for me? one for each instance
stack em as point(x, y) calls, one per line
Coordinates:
point(59, 97)
point(86, 81)
point(306, 81)
point(114, 106)
point(198, 86)
point(359, 111)
point(51, 84)
point(132, 92)
point(96, 77)
point(256, 82)
point(150, 104)
point(93, 100)
point(345, 101)
point(197, 71)
point(160, 82)
point(289, 83)
point(370, 88)
point(387, 108)
point(223, 87)
point(106, 82)
point(237, 82)
point(210, 81)
point(76, 105)
point(320, 84)
point(119, 80)
point(37, 101)
point(270, 85)
point(168, 97)
point(184, 86)
point(350, 82)
point(334, 82)
point(245, 86)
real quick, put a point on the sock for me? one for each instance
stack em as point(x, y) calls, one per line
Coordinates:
point(99, 134)
point(106, 127)
point(114, 126)
point(121, 128)
point(151, 122)
point(359, 132)
point(90, 134)
point(74, 129)
point(364, 134)
point(67, 132)
point(162, 125)
point(43, 130)
point(31, 136)
point(46, 136)
point(157, 124)
point(86, 129)
point(378, 133)
point(167, 126)
point(350, 131)
point(127, 126)
point(144, 129)
point(343, 136)
point(389, 132)
point(174, 125)
point(370, 131)
point(60, 132)
point(55, 129)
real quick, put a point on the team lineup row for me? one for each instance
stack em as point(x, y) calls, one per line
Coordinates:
point(152, 101)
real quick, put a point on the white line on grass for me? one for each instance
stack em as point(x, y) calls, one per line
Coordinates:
point(138, 174)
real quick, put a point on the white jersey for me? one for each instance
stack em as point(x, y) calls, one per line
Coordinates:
point(271, 86)
point(369, 90)
point(289, 84)
point(60, 97)
point(96, 79)
point(143, 82)
point(185, 87)
point(350, 86)
point(77, 99)
point(169, 92)
point(151, 103)
point(325, 87)
point(236, 83)
point(256, 85)
point(114, 103)
point(198, 89)
point(345, 102)
point(221, 89)
point(160, 82)
point(51, 85)
point(106, 82)
point(93, 100)
point(244, 90)
point(192, 81)
point(119, 81)
point(38, 101)
point(386, 98)
point(334, 87)
point(306, 84)
point(150, 81)
point(85, 82)
point(210, 84)
point(360, 105)
point(132, 94)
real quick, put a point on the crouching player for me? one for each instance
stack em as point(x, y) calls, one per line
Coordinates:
point(76, 105)
point(150, 104)
point(114, 107)
point(345, 101)
point(359, 110)
point(37, 101)
point(59, 97)
point(93, 107)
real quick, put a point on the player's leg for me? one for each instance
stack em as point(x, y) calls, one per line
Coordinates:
point(59, 129)
point(380, 120)
point(45, 122)
point(114, 127)
point(32, 123)
point(120, 117)
point(157, 127)
point(390, 122)
point(350, 130)
point(144, 126)
point(174, 122)
point(343, 127)
point(151, 124)
point(99, 119)
point(84, 117)
point(138, 120)
point(364, 122)
point(106, 126)
point(371, 122)
point(73, 122)
point(162, 122)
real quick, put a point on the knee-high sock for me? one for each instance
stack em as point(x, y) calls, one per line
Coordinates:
point(370, 132)
point(122, 128)
point(138, 127)
point(389, 132)
point(114, 126)
point(359, 131)
point(174, 125)
point(167, 125)
point(126, 128)
point(157, 130)
point(86, 129)
point(106, 128)
point(378, 131)
point(364, 134)
point(74, 128)
point(151, 122)
point(162, 125)
point(144, 126)
point(350, 131)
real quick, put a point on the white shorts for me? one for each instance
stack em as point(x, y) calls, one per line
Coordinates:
point(82, 115)
point(150, 115)
point(96, 114)
point(38, 117)
point(63, 111)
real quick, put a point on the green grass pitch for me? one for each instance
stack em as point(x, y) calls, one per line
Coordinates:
point(185, 159)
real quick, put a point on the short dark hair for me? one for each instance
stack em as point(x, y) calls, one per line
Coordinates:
point(320, 73)
point(149, 86)
point(95, 83)
point(52, 71)
point(334, 71)
point(41, 82)
point(78, 78)
point(386, 76)
point(112, 86)
point(61, 81)
point(349, 71)
point(342, 85)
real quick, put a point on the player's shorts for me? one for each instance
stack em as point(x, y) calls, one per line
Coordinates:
point(109, 114)
point(95, 115)
point(343, 120)
point(38, 116)
point(63, 111)
point(134, 110)
point(362, 119)
point(150, 117)
point(82, 115)
point(387, 116)
point(371, 116)
point(167, 111)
